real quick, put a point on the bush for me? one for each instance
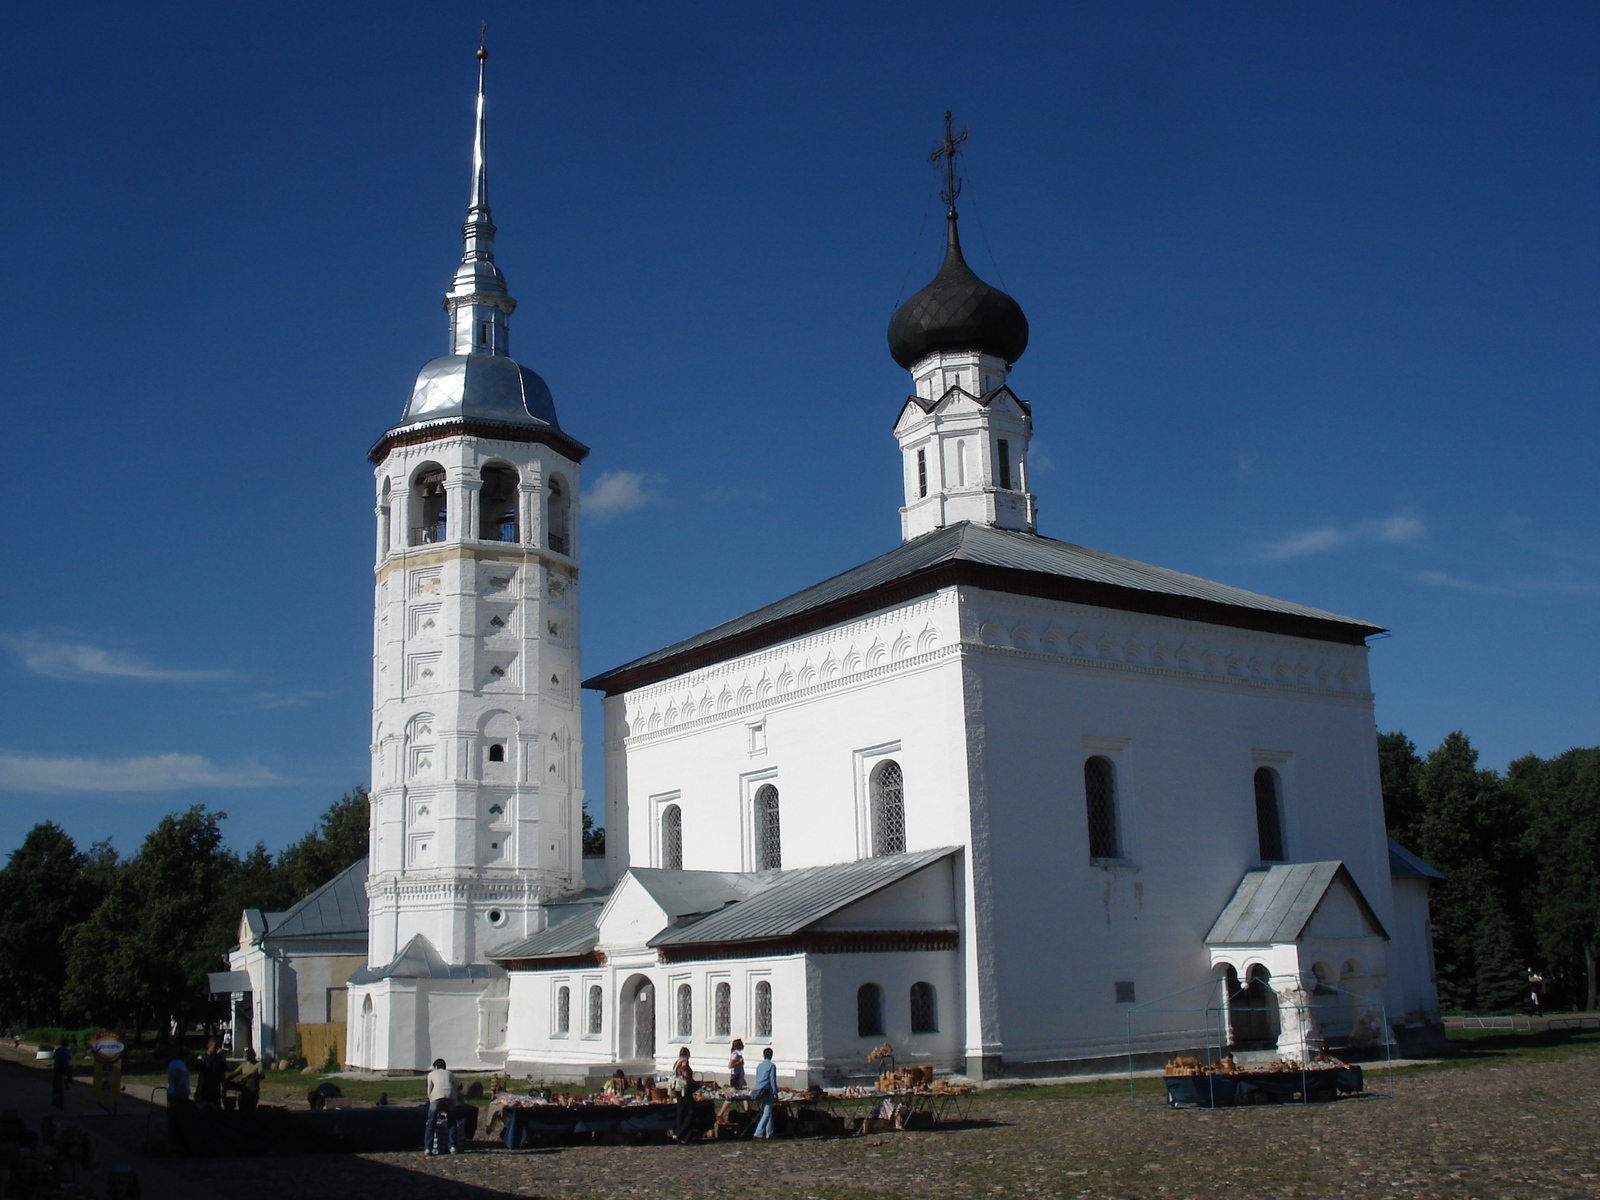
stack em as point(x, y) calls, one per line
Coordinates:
point(331, 1063)
point(295, 1060)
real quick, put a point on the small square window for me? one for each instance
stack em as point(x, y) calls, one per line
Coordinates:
point(1124, 991)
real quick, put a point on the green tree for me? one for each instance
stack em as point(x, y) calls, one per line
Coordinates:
point(1563, 794)
point(594, 839)
point(46, 888)
point(340, 838)
point(1400, 770)
point(1474, 830)
point(144, 951)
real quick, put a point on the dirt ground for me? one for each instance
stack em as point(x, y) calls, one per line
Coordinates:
point(1508, 1118)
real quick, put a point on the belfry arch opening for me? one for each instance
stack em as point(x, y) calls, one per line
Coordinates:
point(497, 505)
point(430, 518)
point(558, 516)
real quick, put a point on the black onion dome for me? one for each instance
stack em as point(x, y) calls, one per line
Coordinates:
point(957, 311)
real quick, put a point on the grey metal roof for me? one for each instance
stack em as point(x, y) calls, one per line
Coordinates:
point(688, 893)
point(1404, 864)
point(577, 933)
point(1273, 905)
point(419, 960)
point(789, 901)
point(337, 908)
point(1113, 581)
point(488, 387)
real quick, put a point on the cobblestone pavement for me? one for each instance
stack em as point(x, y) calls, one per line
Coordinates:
point(1515, 1127)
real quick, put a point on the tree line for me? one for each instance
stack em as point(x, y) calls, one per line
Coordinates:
point(1520, 853)
point(88, 937)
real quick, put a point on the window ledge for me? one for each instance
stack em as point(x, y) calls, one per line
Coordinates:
point(1105, 863)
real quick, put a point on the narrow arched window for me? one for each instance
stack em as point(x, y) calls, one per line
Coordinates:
point(769, 845)
point(724, 1010)
point(596, 1007)
point(922, 473)
point(1100, 800)
point(430, 519)
point(924, 1009)
point(763, 1020)
point(563, 1009)
point(497, 752)
point(556, 517)
point(869, 1010)
point(672, 838)
point(685, 1011)
point(1269, 815)
point(384, 534)
point(888, 809)
point(497, 505)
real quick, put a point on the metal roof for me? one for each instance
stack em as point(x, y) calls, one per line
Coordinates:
point(576, 934)
point(789, 901)
point(1105, 579)
point(688, 893)
point(338, 908)
point(1273, 905)
point(419, 960)
point(1404, 864)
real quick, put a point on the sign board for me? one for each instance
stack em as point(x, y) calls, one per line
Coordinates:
point(107, 1049)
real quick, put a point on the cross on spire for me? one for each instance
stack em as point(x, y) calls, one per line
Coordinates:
point(947, 150)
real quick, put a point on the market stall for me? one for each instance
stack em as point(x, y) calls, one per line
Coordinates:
point(1222, 1083)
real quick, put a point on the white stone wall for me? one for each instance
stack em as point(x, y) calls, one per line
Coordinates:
point(991, 703)
point(476, 757)
point(813, 717)
point(950, 439)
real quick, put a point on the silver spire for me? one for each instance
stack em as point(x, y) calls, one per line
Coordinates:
point(478, 302)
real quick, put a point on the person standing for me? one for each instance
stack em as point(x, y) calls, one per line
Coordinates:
point(736, 1077)
point(442, 1094)
point(213, 1069)
point(246, 1080)
point(684, 1086)
point(177, 1098)
point(60, 1074)
point(766, 1092)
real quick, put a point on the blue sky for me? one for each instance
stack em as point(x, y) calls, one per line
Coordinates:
point(1313, 291)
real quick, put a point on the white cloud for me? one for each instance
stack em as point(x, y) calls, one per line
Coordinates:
point(20, 772)
point(78, 661)
point(1441, 579)
point(1309, 541)
point(618, 492)
point(286, 699)
point(1397, 529)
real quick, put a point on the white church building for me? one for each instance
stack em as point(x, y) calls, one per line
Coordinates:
point(978, 797)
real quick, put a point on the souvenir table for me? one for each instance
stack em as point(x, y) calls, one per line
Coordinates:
point(1227, 1089)
point(542, 1123)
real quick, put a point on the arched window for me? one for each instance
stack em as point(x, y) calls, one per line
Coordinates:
point(497, 505)
point(384, 535)
point(672, 838)
point(888, 809)
point(1269, 815)
point(685, 1011)
point(429, 518)
point(557, 511)
point(769, 846)
point(497, 752)
point(1100, 798)
point(763, 1020)
point(724, 1010)
point(924, 1009)
point(563, 1009)
point(869, 1010)
point(596, 1007)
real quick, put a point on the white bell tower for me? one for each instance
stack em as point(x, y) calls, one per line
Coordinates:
point(963, 433)
point(477, 796)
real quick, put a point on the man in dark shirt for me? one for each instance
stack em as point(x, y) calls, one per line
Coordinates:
point(60, 1074)
point(213, 1071)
